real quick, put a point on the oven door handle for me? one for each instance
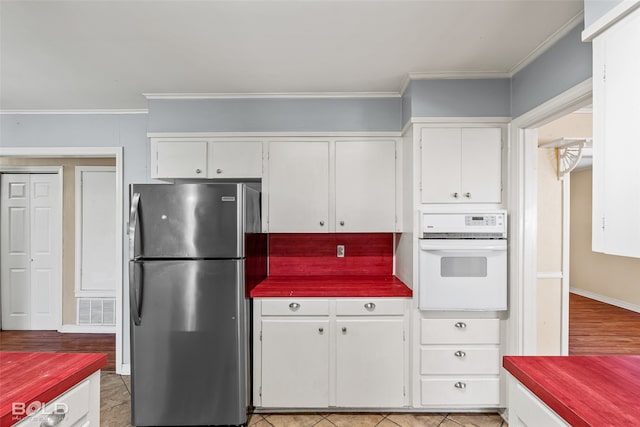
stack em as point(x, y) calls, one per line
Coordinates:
point(463, 249)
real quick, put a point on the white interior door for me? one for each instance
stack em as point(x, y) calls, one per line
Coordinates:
point(30, 251)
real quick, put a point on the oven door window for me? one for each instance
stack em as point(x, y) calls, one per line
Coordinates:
point(472, 266)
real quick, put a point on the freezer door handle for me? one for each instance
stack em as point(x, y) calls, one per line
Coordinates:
point(134, 303)
point(133, 224)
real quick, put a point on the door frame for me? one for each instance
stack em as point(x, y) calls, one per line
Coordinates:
point(57, 170)
point(523, 206)
point(117, 153)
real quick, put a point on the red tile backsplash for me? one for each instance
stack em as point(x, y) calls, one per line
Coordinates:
point(315, 254)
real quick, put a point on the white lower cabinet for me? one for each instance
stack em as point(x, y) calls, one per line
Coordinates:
point(459, 362)
point(321, 353)
point(526, 410)
point(79, 406)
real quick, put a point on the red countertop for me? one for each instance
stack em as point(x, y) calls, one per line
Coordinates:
point(583, 390)
point(331, 286)
point(41, 377)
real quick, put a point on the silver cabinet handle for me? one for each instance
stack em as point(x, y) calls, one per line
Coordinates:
point(321, 330)
point(321, 223)
point(344, 330)
point(54, 419)
point(218, 170)
point(460, 354)
point(370, 306)
point(455, 195)
point(342, 223)
point(460, 385)
point(294, 306)
point(198, 170)
point(460, 325)
point(467, 195)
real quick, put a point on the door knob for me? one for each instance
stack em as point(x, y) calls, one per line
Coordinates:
point(460, 354)
point(321, 223)
point(198, 170)
point(218, 170)
point(460, 325)
point(467, 195)
point(455, 195)
point(342, 223)
point(294, 306)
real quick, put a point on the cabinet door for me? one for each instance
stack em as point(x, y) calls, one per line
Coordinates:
point(365, 186)
point(295, 363)
point(238, 159)
point(481, 165)
point(440, 160)
point(618, 112)
point(370, 362)
point(298, 186)
point(180, 159)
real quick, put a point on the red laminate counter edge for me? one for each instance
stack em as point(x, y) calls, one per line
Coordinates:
point(26, 378)
point(331, 286)
point(583, 390)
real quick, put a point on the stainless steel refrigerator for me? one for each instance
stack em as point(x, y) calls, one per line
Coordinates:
point(195, 251)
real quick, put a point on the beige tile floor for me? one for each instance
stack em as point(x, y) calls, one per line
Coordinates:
point(115, 398)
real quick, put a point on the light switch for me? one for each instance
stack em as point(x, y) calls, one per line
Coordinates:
point(340, 251)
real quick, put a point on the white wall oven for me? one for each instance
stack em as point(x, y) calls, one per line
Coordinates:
point(463, 261)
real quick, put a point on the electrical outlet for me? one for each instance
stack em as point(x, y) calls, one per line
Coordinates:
point(340, 251)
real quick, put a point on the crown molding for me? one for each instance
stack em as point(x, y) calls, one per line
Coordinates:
point(272, 95)
point(614, 15)
point(457, 75)
point(88, 112)
point(547, 43)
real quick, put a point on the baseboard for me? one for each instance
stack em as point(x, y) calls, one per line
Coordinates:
point(125, 369)
point(606, 300)
point(87, 329)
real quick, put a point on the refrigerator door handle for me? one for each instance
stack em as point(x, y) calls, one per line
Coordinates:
point(133, 224)
point(134, 303)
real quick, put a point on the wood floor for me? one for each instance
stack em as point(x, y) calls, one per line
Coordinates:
point(52, 341)
point(595, 328)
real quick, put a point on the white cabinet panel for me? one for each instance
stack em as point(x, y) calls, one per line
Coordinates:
point(179, 159)
point(298, 186)
point(461, 165)
point(295, 307)
point(460, 391)
point(526, 410)
point(235, 159)
point(481, 164)
point(370, 368)
point(462, 331)
point(461, 360)
point(616, 177)
point(295, 363)
point(365, 186)
point(370, 306)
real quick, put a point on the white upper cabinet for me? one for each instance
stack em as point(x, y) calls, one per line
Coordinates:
point(179, 159)
point(235, 159)
point(298, 187)
point(203, 158)
point(331, 186)
point(461, 165)
point(616, 126)
point(365, 186)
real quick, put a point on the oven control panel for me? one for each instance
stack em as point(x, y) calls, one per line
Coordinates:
point(467, 225)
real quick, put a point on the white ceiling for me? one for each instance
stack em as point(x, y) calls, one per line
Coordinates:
point(95, 54)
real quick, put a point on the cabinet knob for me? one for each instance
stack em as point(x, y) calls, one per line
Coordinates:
point(218, 170)
point(320, 330)
point(198, 170)
point(294, 306)
point(460, 354)
point(455, 195)
point(344, 330)
point(54, 419)
point(460, 325)
point(467, 195)
point(342, 223)
point(460, 385)
point(370, 306)
point(321, 223)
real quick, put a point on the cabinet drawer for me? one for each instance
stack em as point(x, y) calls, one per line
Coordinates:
point(460, 360)
point(295, 307)
point(73, 403)
point(460, 331)
point(370, 307)
point(454, 391)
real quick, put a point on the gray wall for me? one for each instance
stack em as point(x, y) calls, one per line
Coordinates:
point(275, 115)
point(460, 98)
point(594, 9)
point(562, 66)
point(90, 130)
